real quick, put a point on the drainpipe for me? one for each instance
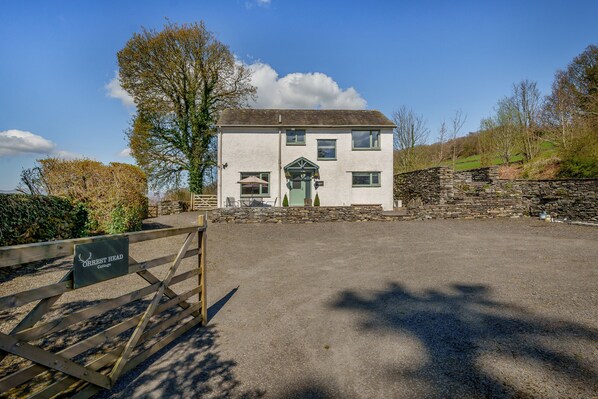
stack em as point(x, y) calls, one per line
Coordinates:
point(220, 167)
point(279, 161)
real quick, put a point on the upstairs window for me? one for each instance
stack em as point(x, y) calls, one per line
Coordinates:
point(326, 150)
point(366, 179)
point(366, 139)
point(295, 137)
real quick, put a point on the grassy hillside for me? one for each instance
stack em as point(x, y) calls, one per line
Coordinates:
point(545, 165)
point(548, 151)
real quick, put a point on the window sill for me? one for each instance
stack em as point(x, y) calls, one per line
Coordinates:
point(366, 149)
point(326, 159)
point(296, 144)
point(366, 186)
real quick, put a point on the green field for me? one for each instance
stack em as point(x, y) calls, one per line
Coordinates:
point(473, 161)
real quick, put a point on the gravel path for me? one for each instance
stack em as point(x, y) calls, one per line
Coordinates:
point(445, 309)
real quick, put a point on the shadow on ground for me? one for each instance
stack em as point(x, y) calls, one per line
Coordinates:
point(460, 329)
point(190, 366)
point(39, 268)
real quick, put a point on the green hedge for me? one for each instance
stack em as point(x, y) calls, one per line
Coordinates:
point(32, 218)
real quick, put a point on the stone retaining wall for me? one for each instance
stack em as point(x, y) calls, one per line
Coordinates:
point(426, 186)
point(571, 199)
point(478, 193)
point(308, 214)
point(487, 174)
point(172, 207)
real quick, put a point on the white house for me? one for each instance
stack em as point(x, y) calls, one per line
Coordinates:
point(344, 156)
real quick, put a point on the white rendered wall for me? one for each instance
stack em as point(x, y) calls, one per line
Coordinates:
point(256, 150)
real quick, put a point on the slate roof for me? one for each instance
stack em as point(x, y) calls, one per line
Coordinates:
point(303, 118)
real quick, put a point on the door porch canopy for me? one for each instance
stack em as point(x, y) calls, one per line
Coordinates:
point(302, 165)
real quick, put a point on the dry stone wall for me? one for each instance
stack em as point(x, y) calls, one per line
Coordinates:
point(308, 214)
point(426, 186)
point(478, 193)
point(171, 207)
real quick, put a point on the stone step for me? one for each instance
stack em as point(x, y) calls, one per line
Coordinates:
point(396, 212)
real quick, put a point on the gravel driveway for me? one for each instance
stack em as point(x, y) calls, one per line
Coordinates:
point(432, 309)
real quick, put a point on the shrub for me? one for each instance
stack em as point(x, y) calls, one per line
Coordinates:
point(581, 160)
point(317, 200)
point(178, 194)
point(32, 218)
point(114, 194)
point(285, 201)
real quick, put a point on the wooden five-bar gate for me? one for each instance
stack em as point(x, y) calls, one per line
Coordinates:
point(92, 363)
point(200, 202)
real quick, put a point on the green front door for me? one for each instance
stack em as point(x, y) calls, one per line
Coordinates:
point(300, 188)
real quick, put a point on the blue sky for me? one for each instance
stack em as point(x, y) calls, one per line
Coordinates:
point(57, 59)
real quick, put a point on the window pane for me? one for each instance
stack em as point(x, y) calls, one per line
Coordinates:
point(361, 179)
point(375, 139)
point(295, 136)
point(327, 149)
point(375, 178)
point(265, 187)
point(291, 137)
point(326, 153)
point(255, 189)
point(300, 136)
point(247, 189)
point(361, 139)
point(326, 143)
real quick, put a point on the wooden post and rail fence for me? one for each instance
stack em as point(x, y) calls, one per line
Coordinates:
point(158, 320)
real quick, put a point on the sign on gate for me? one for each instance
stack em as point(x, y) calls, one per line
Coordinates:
point(100, 260)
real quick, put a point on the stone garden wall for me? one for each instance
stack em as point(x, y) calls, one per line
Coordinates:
point(478, 193)
point(308, 214)
point(171, 207)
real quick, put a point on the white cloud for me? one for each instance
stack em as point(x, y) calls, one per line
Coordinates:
point(15, 141)
point(301, 90)
point(126, 152)
point(260, 3)
point(19, 142)
point(115, 90)
point(295, 90)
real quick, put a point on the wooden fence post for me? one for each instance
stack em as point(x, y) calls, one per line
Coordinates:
point(201, 242)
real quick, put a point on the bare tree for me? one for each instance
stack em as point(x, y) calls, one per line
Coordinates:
point(456, 125)
point(504, 128)
point(442, 135)
point(559, 111)
point(527, 101)
point(32, 182)
point(582, 77)
point(411, 131)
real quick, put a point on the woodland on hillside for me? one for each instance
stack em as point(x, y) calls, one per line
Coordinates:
point(530, 135)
